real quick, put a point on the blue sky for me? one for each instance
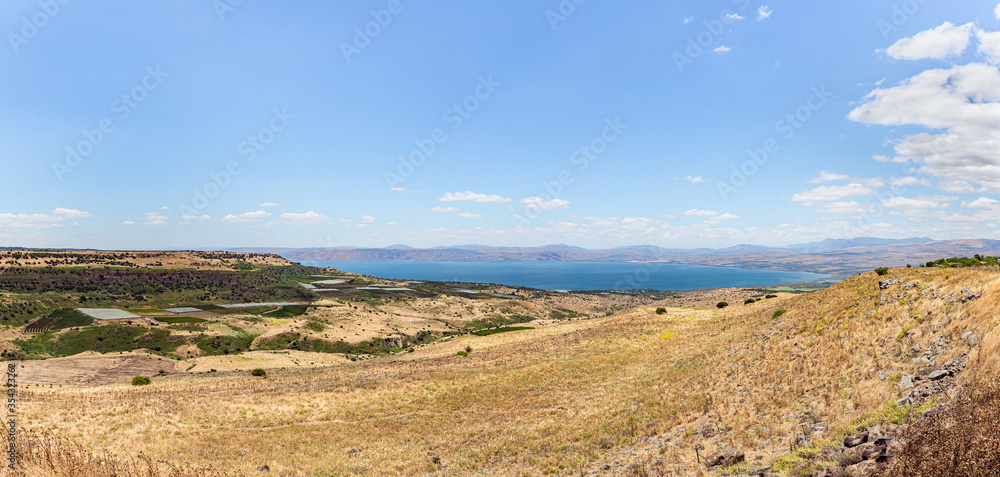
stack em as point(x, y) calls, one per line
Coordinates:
point(213, 124)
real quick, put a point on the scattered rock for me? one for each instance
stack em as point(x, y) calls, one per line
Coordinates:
point(264, 468)
point(856, 439)
point(939, 374)
point(354, 450)
point(906, 382)
point(724, 459)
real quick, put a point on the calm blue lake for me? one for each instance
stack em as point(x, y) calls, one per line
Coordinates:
point(574, 275)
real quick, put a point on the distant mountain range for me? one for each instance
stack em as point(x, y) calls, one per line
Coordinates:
point(837, 257)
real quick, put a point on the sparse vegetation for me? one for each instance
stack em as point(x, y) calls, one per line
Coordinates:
point(259, 372)
point(141, 380)
point(882, 270)
point(721, 304)
point(660, 310)
point(778, 313)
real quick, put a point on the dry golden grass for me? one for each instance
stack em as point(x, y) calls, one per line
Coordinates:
point(636, 390)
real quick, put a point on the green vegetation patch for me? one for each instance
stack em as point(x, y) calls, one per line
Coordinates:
point(179, 319)
point(246, 310)
point(227, 344)
point(103, 339)
point(501, 330)
point(289, 311)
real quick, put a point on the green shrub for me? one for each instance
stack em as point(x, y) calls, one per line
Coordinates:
point(660, 310)
point(882, 270)
point(461, 353)
point(259, 372)
point(141, 381)
point(749, 301)
point(778, 313)
point(771, 296)
point(721, 304)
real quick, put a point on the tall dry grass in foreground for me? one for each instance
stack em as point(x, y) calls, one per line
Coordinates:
point(43, 454)
point(963, 442)
point(559, 400)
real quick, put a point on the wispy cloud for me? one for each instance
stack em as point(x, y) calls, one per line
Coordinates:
point(764, 12)
point(543, 204)
point(245, 217)
point(472, 196)
point(308, 218)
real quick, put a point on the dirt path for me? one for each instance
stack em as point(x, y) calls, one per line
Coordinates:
point(92, 369)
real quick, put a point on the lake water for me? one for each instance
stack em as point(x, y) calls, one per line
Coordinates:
point(574, 275)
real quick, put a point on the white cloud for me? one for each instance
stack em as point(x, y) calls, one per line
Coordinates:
point(468, 195)
point(720, 218)
point(543, 204)
point(53, 219)
point(965, 102)
point(367, 219)
point(695, 179)
point(699, 213)
point(245, 217)
point(764, 12)
point(268, 204)
point(687, 20)
point(444, 210)
point(722, 49)
point(936, 43)
point(128, 222)
point(845, 208)
point(989, 46)
point(912, 204)
point(196, 217)
point(405, 190)
point(308, 218)
point(164, 208)
point(996, 12)
point(981, 203)
point(828, 177)
point(958, 187)
point(733, 16)
point(469, 215)
point(826, 193)
point(153, 218)
point(70, 213)
point(909, 181)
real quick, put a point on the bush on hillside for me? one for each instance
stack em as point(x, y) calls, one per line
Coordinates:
point(259, 372)
point(882, 270)
point(141, 381)
point(721, 304)
point(660, 310)
point(778, 313)
point(749, 301)
point(961, 441)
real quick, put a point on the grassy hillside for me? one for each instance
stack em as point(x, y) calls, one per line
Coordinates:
point(627, 394)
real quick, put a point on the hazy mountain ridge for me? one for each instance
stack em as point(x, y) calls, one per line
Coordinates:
point(833, 256)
